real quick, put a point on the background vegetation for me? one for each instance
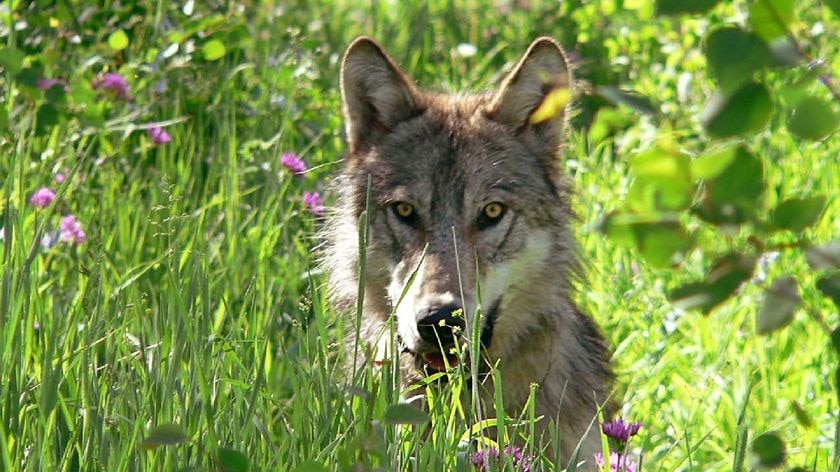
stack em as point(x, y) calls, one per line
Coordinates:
point(182, 305)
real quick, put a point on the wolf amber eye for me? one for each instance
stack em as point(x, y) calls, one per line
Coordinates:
point(405, 212)
point(491, 214)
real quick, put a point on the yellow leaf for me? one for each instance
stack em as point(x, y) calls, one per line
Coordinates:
point(552, 105)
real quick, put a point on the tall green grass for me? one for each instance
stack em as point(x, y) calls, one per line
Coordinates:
point(197, 300)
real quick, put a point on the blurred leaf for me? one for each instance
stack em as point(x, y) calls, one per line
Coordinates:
point(11, 59)
point(164, 435)
point(734, 55)
point(676, 7)
point(55, 94)
point(835, 339)
point(4, 119)
point(633, 100)
point(797, 214)
point(802, 416)
point(47, 117)
point(769, 450)
point(29, 76)
point(824, 256)
point(785, 52)
point(829, 285)
point(726, 275)
point(710, 165)
point(794, 93)
point(118, 40)
point(813, 118)
point(662, 180)
point(658, 242)
point(733, 196)
point(213, 50)
point(744, 112)
point(770, 18)
point(403, 413)
point(231, 460)
point(833, 5)
point(310, 466)
point(780, 303)
point(552, 105)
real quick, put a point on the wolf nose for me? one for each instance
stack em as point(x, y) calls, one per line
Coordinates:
point(437, 324)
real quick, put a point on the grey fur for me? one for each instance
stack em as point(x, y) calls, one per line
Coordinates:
point(449, 155)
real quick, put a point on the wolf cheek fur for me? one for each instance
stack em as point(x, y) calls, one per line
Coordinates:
point(472, 174)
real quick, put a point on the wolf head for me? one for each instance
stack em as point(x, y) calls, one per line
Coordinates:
point(467, 206)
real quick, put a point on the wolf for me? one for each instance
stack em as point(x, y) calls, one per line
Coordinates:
point(463, 195)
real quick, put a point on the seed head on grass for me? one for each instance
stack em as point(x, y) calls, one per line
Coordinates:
point(113, 83)
point(620, 430)
point(42, 197)
point(158, 135)
point(313, 203)
point(292, 162)
point(71, 230)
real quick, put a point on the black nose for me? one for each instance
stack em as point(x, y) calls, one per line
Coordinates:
point(437, 324)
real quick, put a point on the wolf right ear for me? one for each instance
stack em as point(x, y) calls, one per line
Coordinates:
point(542, 70)
point(376, 95)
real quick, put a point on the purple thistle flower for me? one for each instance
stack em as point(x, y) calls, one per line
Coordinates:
point(114, 83)
point(42, 198)
point(292, 162)
point(71, 230)
point(46, 84)
point(618, 462)
point(314, 204)
point(158, 135)
point(482, 459)
point(620, 430)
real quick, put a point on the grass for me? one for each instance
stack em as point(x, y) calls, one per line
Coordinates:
point(196, 298)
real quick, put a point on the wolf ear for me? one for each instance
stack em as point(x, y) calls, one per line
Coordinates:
point(542, 70)
point(376, 95)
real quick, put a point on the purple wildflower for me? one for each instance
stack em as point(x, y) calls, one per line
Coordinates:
point(114, 83)
point(482, 459)
point(313, 203)
point(158, 135)
point(46, 84)
point(618, 462)
point(71, 230)
point(292, 162)
point(620, 430)
point(42, 198)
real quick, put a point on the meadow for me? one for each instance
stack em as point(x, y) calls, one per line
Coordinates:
point(161, 305)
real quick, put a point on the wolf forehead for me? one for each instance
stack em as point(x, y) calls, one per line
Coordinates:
point(452, 148)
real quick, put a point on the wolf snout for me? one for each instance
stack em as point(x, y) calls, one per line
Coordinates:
point(440, 325)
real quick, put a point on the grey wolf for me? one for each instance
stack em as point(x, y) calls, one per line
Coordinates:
point(467, 194)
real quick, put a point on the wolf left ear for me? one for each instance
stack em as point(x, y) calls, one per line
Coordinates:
point(376, 95)
point(542, 70)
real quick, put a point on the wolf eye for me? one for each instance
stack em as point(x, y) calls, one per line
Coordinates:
point(491, 214)
point(405, 212)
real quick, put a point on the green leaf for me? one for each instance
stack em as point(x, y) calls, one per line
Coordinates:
point(833, 5)
point(835, 339)
point(47, 117)
point(724, 278)
point(780, 304)
point(231, 460)
point(29, 76)
point(742, 113)
point(662, 180)
point(11, 59)
point(710, 165)
point(633, 100)
point(164, 435)
point(734, 55)
point(813, 118)
point(829, 285)
point(677, 7)
point(118, 40)
point(403, 413)
point(769, 450)
point(658, 242)
point(770, 18)
point(802, 416)
point(733, 196)
point(309, 466)
point(213, 50)
point(824, 256)
point(796, 214)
